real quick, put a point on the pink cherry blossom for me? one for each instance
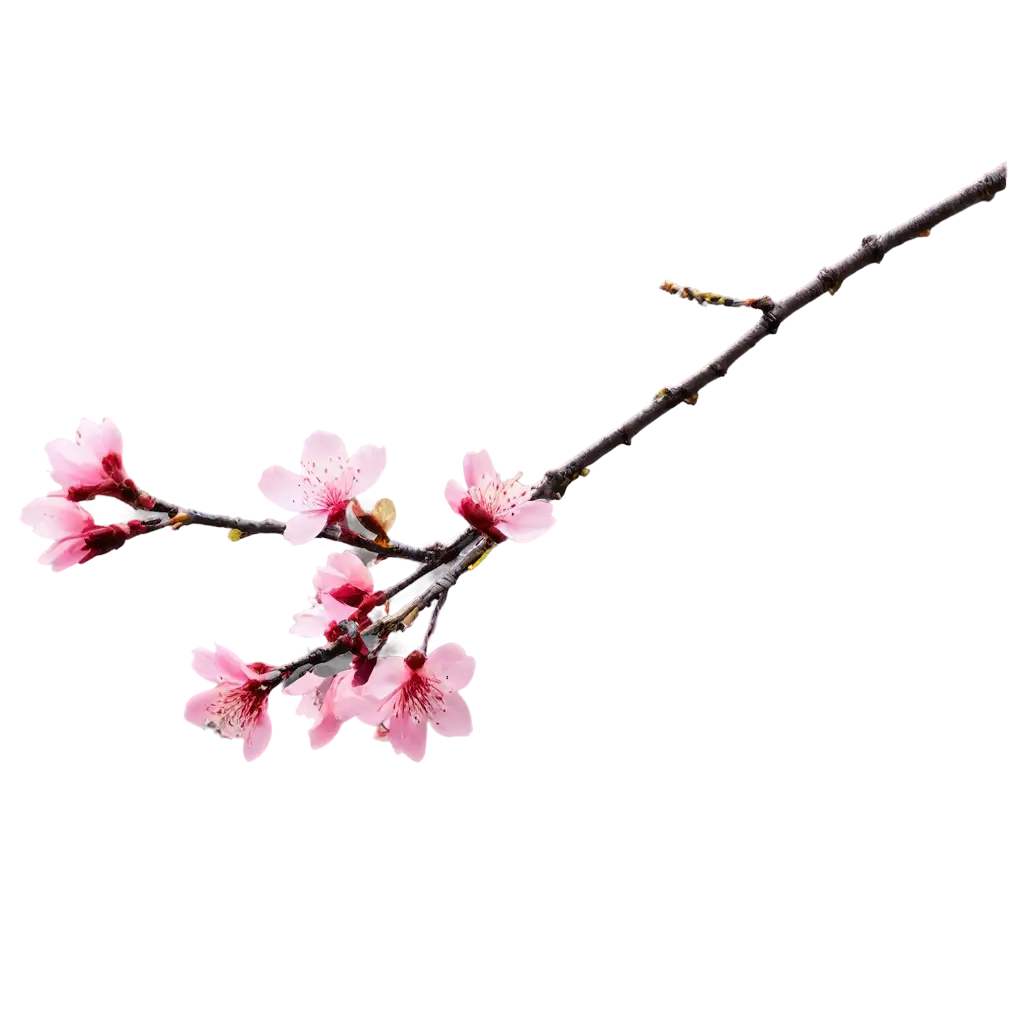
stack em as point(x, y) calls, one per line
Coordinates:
point(93, 464)
point(330, 478)
point(344, 577)
point(343, 583)
point(498, 508)
point(237, 705)
point(410, 692)
point(331, 700)
point(76, 537)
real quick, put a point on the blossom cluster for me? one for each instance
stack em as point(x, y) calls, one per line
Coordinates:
point(343, 679)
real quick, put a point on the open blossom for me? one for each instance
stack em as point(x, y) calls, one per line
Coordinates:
point(498, 508)
point(331, 700)
point(92, 464)
point(76, 537)
point(408, 693)
point(237, 705)
point(330, 478)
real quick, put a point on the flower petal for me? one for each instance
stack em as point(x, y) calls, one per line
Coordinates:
point(451, 666)
point(324, 731)
point(305, 683)
point(528, 521)
point(453, 718)
point(350, 704)
point(477, 468)
point(97, 436)
point(55, 518)
point(321, 446)
point(408, 737)
point(454, 492)
point(257, 738)
point(63, 553)
point(301, 706)
point(212, 662)
point(197, 708)
point(363, 469)
point(335, 610)
point(388, 674)
point(305, 526)
point(282, 487)
point(337, 567)
point(308, 624)
point(71, 467)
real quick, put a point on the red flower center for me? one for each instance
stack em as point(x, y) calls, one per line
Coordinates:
point(419, 697)
point(480, 519)
point(240, 709)
point(348, 594)
point(336, 513)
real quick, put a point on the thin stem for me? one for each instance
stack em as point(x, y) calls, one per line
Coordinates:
point(433, 621)
point(436, 554)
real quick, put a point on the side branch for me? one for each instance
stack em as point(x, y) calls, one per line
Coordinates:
point(435, 554)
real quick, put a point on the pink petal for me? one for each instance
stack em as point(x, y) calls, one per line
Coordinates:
point(55, 518)
point(71, 467)
point(451, 666)
point(477, 468)
point(407, 737)
point(100, 436)
point(301, 705)
point(454, 492)
point(453, 719)
point(321, 445)
point(527, 522)
point(306, 683)
point(331, 688)
point(308, 624)
point(363, 469)
point(258, 737)
point(72, 455)
point(324, 731)
point(325, 714)
point(62, 554)
point(283, 488)
point(340, 679)
point(213, 662)
point(350, 705)
point(351, 570)
point(348, 702)
point(334, 609)
point(197, 708)
point(301, 529)
point(387, 676)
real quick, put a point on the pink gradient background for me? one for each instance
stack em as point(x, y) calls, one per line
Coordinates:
point(204, 212)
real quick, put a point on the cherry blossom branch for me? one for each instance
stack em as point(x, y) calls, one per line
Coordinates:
point(434, 555)
point(554, 484)
point(344, 678)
